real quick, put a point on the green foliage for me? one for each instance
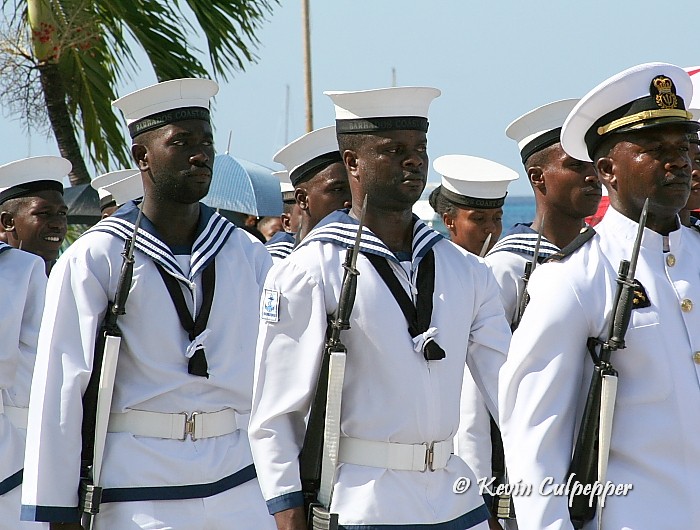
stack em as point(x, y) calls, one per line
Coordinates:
point(93, 42)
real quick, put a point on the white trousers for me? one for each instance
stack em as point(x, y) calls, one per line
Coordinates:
point(241, 508)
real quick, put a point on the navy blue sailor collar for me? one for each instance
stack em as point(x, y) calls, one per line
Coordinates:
point(521, 239)
point(340, 229)
point(281, 244)
point(4, 246)
point(213, 230)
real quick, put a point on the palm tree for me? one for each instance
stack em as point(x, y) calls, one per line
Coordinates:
point(73, 53)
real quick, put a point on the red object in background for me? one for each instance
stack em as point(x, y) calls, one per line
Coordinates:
point(602, 208)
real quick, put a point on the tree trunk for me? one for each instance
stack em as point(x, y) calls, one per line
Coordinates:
point(46, 43)
point(54, 96)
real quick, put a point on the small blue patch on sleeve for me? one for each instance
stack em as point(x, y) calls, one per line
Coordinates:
point(270, 311)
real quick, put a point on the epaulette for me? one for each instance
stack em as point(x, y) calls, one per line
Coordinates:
point(581, 239)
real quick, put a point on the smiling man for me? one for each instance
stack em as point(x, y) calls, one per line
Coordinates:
point(32, 209)
point(634, 127)
point(400, 397)
point(176, 453)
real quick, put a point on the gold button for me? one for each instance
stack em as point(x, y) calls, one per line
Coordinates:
point(696, 357)
point(686, 305)
point(670, 260)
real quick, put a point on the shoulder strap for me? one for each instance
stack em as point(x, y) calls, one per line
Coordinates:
point(419, 316)
point(584, 237)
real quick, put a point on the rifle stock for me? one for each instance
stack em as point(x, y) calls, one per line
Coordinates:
point(94, 428)
point(311, 455)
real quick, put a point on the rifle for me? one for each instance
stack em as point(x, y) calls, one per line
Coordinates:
point(589, 461)
point(529, 268)
point(317, 478)
point(97, 399)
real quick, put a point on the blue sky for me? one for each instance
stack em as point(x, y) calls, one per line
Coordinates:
point(493, 61)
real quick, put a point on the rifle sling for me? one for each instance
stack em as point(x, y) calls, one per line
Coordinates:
point(198, 362)
point(420, 315)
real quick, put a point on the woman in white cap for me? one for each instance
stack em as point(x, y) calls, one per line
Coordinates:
point(470, 200)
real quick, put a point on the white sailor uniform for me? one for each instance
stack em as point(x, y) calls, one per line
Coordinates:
point(142, 462)
point(656, 427)
point(280, 245)
point(507, 260)
point(23, 285)
point(390, 392)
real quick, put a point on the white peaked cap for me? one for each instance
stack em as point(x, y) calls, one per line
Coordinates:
point(622, 92)
point(298, 156)
point(17, 177)
point(473, 177)
point(164, 97)
point(383, 102)
point(530, 130)
point(694, 73)
point(126, 189)
point(285, 183)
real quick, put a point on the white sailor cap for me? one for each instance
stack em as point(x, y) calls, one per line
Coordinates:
point(539, 128)
point(167, 102)
point(23, 177)
point(126, 189)
point(309, 154)
point(646, 95)
point(382, 109)
point(473, 182)
point(104, 185)
point(285, 185)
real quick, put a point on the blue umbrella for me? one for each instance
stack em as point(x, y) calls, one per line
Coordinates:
point(241, 186)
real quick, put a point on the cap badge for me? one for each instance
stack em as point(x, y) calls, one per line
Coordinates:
point(664, 92)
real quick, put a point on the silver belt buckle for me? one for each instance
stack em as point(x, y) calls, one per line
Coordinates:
point(189, 427)
point(429, 456)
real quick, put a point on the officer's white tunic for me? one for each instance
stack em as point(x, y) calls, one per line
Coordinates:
point(390, 393)
point(22, 287)
point(152, 371)
point(656, 430)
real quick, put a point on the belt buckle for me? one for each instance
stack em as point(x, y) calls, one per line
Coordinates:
point(189, 429)
point(429, 456)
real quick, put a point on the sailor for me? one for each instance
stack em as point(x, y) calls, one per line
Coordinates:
point(566, 190)
point(634, 127)
point(116, 188)
point(690, 213)
point(32, 210)
point(283, 242)
point(400, 397)
point(317, 174)
point(470, 200)
point(176, 454)
point(23, 285)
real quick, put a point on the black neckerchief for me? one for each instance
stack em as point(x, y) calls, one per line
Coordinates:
point(198, 362)
point(420, 315)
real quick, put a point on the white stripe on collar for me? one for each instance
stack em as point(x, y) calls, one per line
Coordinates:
point(339, 228)
point(209, 242)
